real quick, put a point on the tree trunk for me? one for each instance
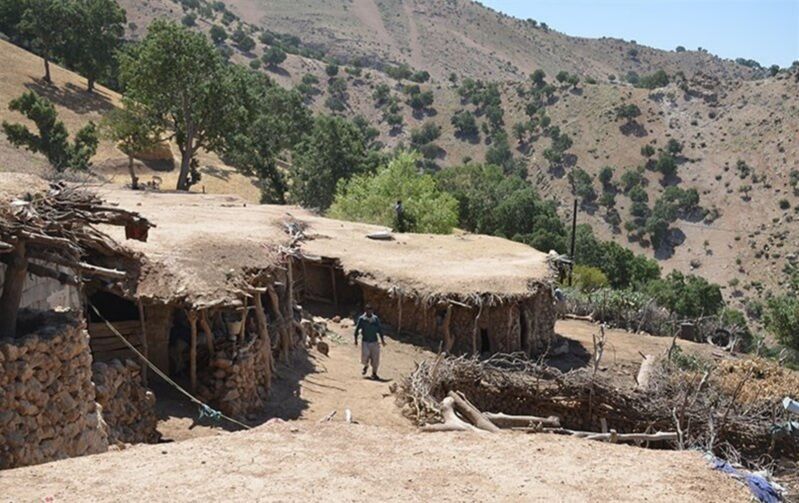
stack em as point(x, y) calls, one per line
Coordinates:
point(47, 70)
point(185, 166)
point(134, 180)
point(12, 290)
point(90, 84)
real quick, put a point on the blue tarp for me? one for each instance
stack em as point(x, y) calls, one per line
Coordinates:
point(760, 488)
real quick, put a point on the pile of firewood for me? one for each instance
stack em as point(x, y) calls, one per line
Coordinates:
point(683, 408)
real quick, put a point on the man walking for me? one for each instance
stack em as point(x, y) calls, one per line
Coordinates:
point(368, 326)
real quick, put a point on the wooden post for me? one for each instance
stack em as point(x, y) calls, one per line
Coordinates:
point(13, 286)
point(472, 413)
point(448, 342)
point(291, 284)
point(243, 328)
point(209, 333)
point(333, 282)
point(285, 338)
point(192, 315)
point(143, 342)
point(476, 329)
point(399, 311)
point(263, 332)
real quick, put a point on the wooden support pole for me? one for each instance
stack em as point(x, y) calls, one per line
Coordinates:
point(448, 342)
point(209, 333)
point(333, 282)
point(243, 328)
point(399, 313)
point(285, 337)
point(13, 286)
point(263, 333)
point(476, 329)
point(143, 322)
point(192, 315)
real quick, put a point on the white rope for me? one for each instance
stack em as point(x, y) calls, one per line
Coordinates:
point(162, 374)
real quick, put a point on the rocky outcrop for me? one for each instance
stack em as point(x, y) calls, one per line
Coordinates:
point(128, 407)
point(47, 400)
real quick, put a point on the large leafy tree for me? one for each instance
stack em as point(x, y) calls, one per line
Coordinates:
point(177, 77)
point(267, 120)
point(95, 36)
point(43, 21)
point(52, 139)
point(371, 198)
point(333, 150)
point(687, 295)
point(133, 132)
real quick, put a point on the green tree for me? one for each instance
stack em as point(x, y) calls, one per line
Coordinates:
point(268, 121)
point(666, 165)
point(627, 112)
point(606, 177)
point(782, 320)
point(178, 79)
point(538, 77)
point(95, 38)
point(333, 150)
point(464, 124)
point(133, 132)
point(371, 197)
point(687, 295)
point(243, 41)
point(52, 139)
point(381, 94)
point(331, 69)
point(43, 22)
point(589, 279)
point(218, 34)
point(273, 56)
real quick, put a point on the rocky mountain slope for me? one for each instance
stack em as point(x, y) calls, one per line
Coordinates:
point(738, 132)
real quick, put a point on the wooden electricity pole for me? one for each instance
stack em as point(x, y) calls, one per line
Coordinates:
point(574, 240)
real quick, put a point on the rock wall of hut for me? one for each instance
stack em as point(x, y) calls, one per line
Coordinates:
point(128, 407)
point(236, 382)
point(47, 399)
point(526, 324)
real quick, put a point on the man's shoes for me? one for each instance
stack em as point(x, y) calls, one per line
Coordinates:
point(375, 377)
point(365, 368)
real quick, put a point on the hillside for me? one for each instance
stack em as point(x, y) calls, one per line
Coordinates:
point(23, 71)
point(719, 116)
point(444, 36)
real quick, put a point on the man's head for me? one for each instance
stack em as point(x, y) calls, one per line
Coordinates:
point(368, 309)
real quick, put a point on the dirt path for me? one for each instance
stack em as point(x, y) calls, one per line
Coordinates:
point(368, 13)
point(334, 382)
point(413, 35)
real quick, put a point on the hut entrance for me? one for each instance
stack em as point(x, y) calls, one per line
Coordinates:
point(525, 330)
point(124, 316)
point(485, 341)
point(324, 288)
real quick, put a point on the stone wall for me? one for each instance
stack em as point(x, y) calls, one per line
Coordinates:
point(47, 401)
point(128, 407)
point(236, 381)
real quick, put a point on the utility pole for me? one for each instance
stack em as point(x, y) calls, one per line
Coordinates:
point(574, 240)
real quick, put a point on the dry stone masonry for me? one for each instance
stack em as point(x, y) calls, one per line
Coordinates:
point(47, 401)
point(128, 407)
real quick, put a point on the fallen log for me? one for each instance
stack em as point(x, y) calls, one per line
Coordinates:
point(472, 413)
point(508, 421)
point(612, 436)
point(451, 420)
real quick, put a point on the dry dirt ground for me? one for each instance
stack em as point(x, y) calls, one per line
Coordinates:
point(380, 458)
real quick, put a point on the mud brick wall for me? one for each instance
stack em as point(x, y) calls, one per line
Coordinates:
point(128, 407)
point(47, 401)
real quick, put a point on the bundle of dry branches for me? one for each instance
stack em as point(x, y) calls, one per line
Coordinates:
point(57, 229)
point(704, 413)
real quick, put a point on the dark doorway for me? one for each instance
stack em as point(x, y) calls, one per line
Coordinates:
point(485, 341)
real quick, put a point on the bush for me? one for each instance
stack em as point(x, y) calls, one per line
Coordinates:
point(658, 79)
point(647, 150)
point(218, 34)
point(589, 279)
point(464, 124)
point(782, 320)
point(273, 56)
point(371, 197)
point(687, 295)
point(331, 70)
